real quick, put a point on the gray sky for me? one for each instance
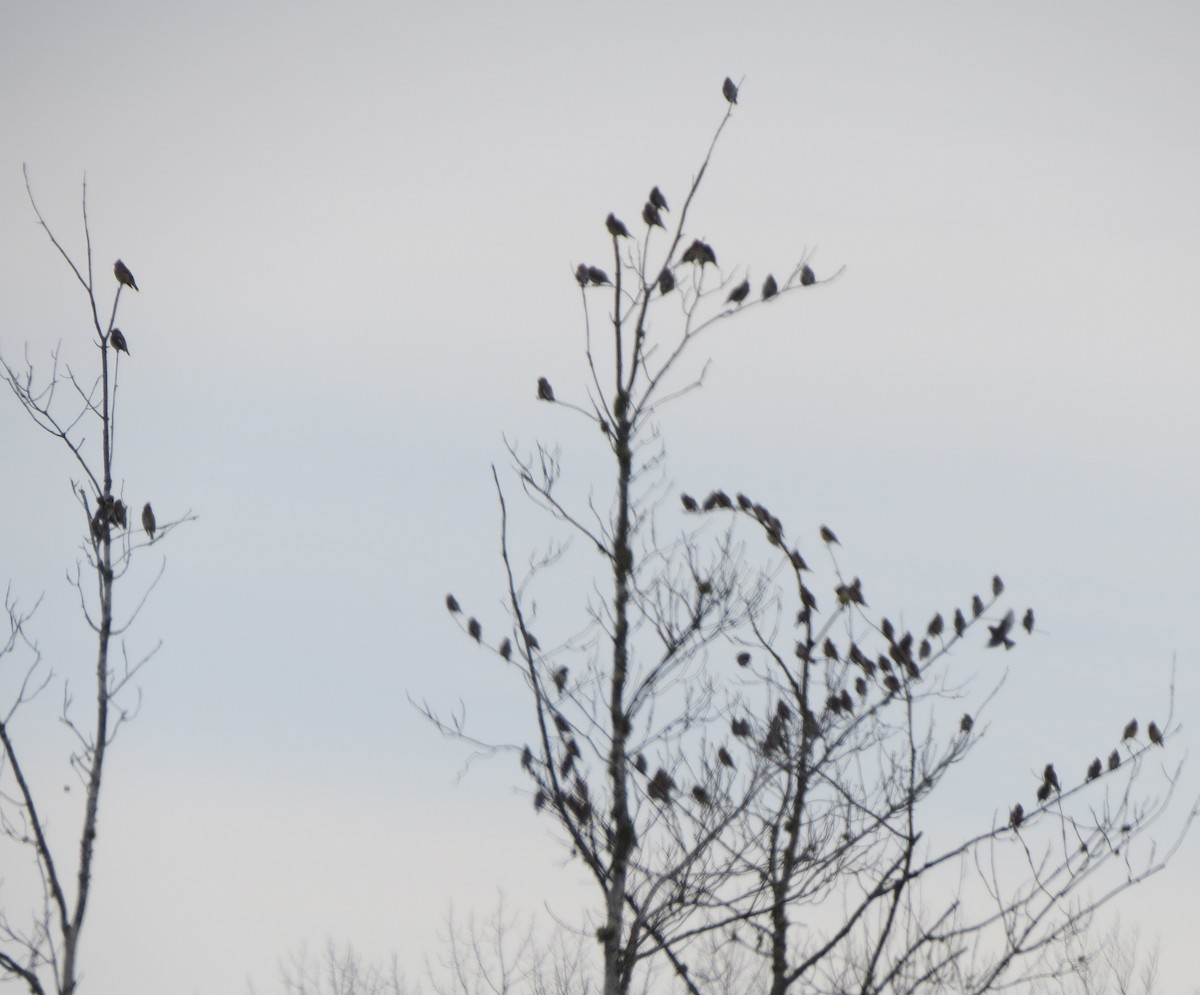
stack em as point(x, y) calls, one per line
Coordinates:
point(354, 225)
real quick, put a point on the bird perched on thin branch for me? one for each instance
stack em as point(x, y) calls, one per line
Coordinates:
point(1016, 816)
point(960, 622)
point(124, 277)
point(1000, 632)
point(616, 227)
point(475, 630)
point(1043, 792)
point(1094, 769)
point(997, 586)
point(658, 200)
point(651, 216)
point(117, 338)
point(739, 293)
point(451, 600)
point(1152, 730)
point(117, 513)
point(828, 536)
point(1050, 777)
point(1131, 729)
point(770, 288)
point(545, 391)
point(597, 277)
point(506, 648)
point(729, 90)
point(148, 522)
point(699, 252)
point(977, 605)
point(1114, 760)
point(666, 281)
point(724, 757)
point(967, 724)
point(689, 502)
point(1027, 621)
point(807, 276)
point(560, 679)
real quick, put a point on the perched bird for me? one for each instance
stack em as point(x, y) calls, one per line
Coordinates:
point(724, 757)
point(699, 252)
point(967, 724)
point(581, 274)
point(1027, 621)
point(616, 227)
point(1094, 769)
point(701, 795)
point(527, 759)
point(531, 641)
point(997, 586)
point(729, 90)
point(743, 659)
point(666, 281)
point(739, 293)
point(640, 763)
point(651, 216)
point(475, 630)
point(506, 648)
point(148, 522)
point(689, 502)
point(828, 536)
point(560, 679)
point(1050, 777)
point(1000, 632)
point(597, 277)
point(807, 276)
point(1114, 760)
point(124, 277)
point(117, 514)
point(658, 200)
point(660, 786)
point(1016, 816)
point(960, 622)
point(936, 624)
point(740, 727)
point(1131, 729)
point(1152, 730)
point(545, 391)
point(977, 606)
point(1043, 792)
point(860, 685)
point(451, 600)
point(770, 288)
point(117, 338)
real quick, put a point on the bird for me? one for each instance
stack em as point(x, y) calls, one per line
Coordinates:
point(730, 90)
point(739, 293)
point(1027, 621)
point(506, 648)
point(699, 252)
point(1094, 769)
point(475, 629)
point(997, 586)
point(936, 624)
point(117, 338)
point(1152, 730)
point(545, 391)
point(527, 759)
point(117, 513)
point(148, 520)
point(616, 227)
point(977, 606)
point(1016, 816)
point(651, 216)
point(724, 757)
point(640, 763)
point(658, 200)
point(581, 274)
point(597, 277)
point(960, 622)
point(689, 502)
point(828, 536)
point(967, 724)
point(1114, 760)
point(743, 659)
point(1050, 777)
point(1000, 632)
point(560, 679)
point(770, 288)
point(666, 281)
point(451, 600)
point(1131, 729)
point(124, 277)
point(1043, 792)
point(807, 276)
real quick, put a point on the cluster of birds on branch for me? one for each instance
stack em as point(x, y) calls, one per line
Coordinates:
point(1050, 783)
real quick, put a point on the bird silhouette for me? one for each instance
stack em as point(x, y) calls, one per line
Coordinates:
point(475, 630)
point(658, 200)
point(527, 759)
point(651, 216)
point(666, 281)
point(997, 586)
point(117, 338)
point(148, 522)
point(640, 763)
point(124, 277)
point(828, 536)
point(117, 513)
point(560, 679)
point(451, 600)
point(1152, 729)
point(689, 502)
point(807, 276)
point(1027, 621)
point(699, 252)
point(616, 227)
point(581, 274)
point(1114, 760)
point(701, 795)
point(739, 293)
point(1043, 792)
point(936, 624)
point(1016, 816)
point(960, 622)
point(597, 277)
point(545, 391)
point(506, 648)
point(967, 724)
point(1131, 729)
point(1050, 777)
point(770, 288)
point(1000, 632)
point(1094, 769)
point(977, 606)
point(724, 757)
point(729, 90)
point(743, 659)
point(740, 727)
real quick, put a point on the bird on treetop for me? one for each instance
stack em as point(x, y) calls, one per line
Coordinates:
point(651, 216)
point(828, 536)
point(124, 277)
point(807, 276)
point(616, 227)
point(1027, 621)
point(117, 338)
point(581, 274)
point(658, 200)
point(148, 522)
point(545, 391)
point(1131, 729)
point(730, 90)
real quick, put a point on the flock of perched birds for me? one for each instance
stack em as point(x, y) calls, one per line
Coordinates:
point(110, 511)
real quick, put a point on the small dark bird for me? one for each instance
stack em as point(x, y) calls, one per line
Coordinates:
point(689, 502)
point(1131, 729)
point(666, 281)
point(560, 679)
point(658, 200)
point(701, 795)
point(729, 90)
point(1000, 632)
point(1094, 769)
point(1043, 792)
point(539, 801)
point(743, 659)
point(1114, 760)
point(724, 757)
point(739, 293)
point(1027, 621)
point(740, 727)
point(475, 630)
point(936, 624)
point(1016, 816)
point(451, 600)
point(531, 641)
point(597, 277)
point(977, 606)
point(891, 683)
point(616, 227)
point(651, 216)
point(960, 622)
point(506, 648)
point(807, 276)
point(770, 288)
point(639, 762)
point(1051, 778)
point(581, 274)
point(699, 252)
point(124, 277)
point(660, 786)
point(148, 522)
point(1152, 730)
point(117, 514)
point(117, 338)
point(527, 758)
point(997, 586)
point(967, 724)
point(545, 391)
point(828, 536)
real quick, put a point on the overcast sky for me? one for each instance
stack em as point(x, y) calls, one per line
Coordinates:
point(354, 227)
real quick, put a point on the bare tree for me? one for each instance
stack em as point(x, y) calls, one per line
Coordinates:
point(40, 948)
